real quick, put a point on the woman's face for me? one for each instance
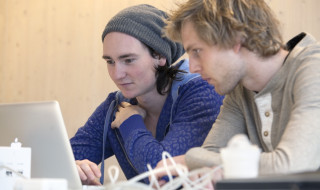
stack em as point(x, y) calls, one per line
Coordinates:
point(130, 65)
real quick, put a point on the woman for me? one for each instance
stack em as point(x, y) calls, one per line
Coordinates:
point(160, 107)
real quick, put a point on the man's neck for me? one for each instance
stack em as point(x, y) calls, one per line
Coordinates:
point(261, 70)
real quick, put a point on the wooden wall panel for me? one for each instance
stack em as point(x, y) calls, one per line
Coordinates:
point(52, 50)
point(297, 16)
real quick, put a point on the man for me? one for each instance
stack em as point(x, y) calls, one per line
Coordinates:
point(272, 90)
point(160, 107)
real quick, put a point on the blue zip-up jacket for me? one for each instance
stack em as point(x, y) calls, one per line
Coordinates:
point(194, 111)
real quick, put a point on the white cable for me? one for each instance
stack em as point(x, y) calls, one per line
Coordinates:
point(148, 173)
point(207, 174)
point(182, 180)
point(153, 180)
point(113, 172)
point(166, 155)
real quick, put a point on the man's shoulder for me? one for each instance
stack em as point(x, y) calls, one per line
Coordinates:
point(240, 93)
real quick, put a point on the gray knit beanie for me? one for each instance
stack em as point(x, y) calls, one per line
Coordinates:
point(145, 23)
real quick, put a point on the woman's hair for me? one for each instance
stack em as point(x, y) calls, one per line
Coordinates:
point(164, 74)
point(227, 22)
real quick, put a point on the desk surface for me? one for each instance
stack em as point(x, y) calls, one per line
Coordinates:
point(298, 181)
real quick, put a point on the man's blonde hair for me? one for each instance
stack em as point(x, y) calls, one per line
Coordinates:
point(224, 22)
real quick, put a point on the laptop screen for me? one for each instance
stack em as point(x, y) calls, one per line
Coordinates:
point(40, 125)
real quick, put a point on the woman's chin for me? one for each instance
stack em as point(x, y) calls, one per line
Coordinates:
point(128, 95)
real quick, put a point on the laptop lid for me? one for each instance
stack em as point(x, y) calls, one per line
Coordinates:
point(40, 125)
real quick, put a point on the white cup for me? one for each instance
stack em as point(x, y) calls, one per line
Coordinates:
point(240, 160)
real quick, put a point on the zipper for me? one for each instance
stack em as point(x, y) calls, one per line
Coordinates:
point(125, 153)
point(118, 138)
point(167, 129)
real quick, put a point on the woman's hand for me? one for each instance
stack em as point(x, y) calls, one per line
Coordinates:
point(89, 172)
point(177, 159)
point(126, 110)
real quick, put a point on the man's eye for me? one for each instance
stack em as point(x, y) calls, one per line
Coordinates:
point(196, 52)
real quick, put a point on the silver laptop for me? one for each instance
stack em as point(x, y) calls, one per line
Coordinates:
point(40, 125)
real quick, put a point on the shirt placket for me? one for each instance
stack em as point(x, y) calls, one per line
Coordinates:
point(266, 117)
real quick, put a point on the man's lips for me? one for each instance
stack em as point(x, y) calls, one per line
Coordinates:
point(210, 81)
point(206, 79)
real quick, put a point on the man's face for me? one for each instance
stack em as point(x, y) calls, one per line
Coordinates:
point(130, 65)
point(222, 68)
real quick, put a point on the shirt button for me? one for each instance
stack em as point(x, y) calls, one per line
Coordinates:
point(267, 114)
point(266, 133)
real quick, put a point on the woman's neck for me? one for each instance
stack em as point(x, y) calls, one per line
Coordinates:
point(152, 103)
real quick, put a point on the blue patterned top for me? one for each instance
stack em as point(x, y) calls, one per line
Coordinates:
point(196, 108)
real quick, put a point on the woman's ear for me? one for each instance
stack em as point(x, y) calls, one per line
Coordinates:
point(162, 61)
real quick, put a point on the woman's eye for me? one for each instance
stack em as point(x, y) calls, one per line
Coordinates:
point(128, 61)
point(109, 61)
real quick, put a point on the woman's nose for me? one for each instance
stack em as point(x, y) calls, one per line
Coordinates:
point(119, 71)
